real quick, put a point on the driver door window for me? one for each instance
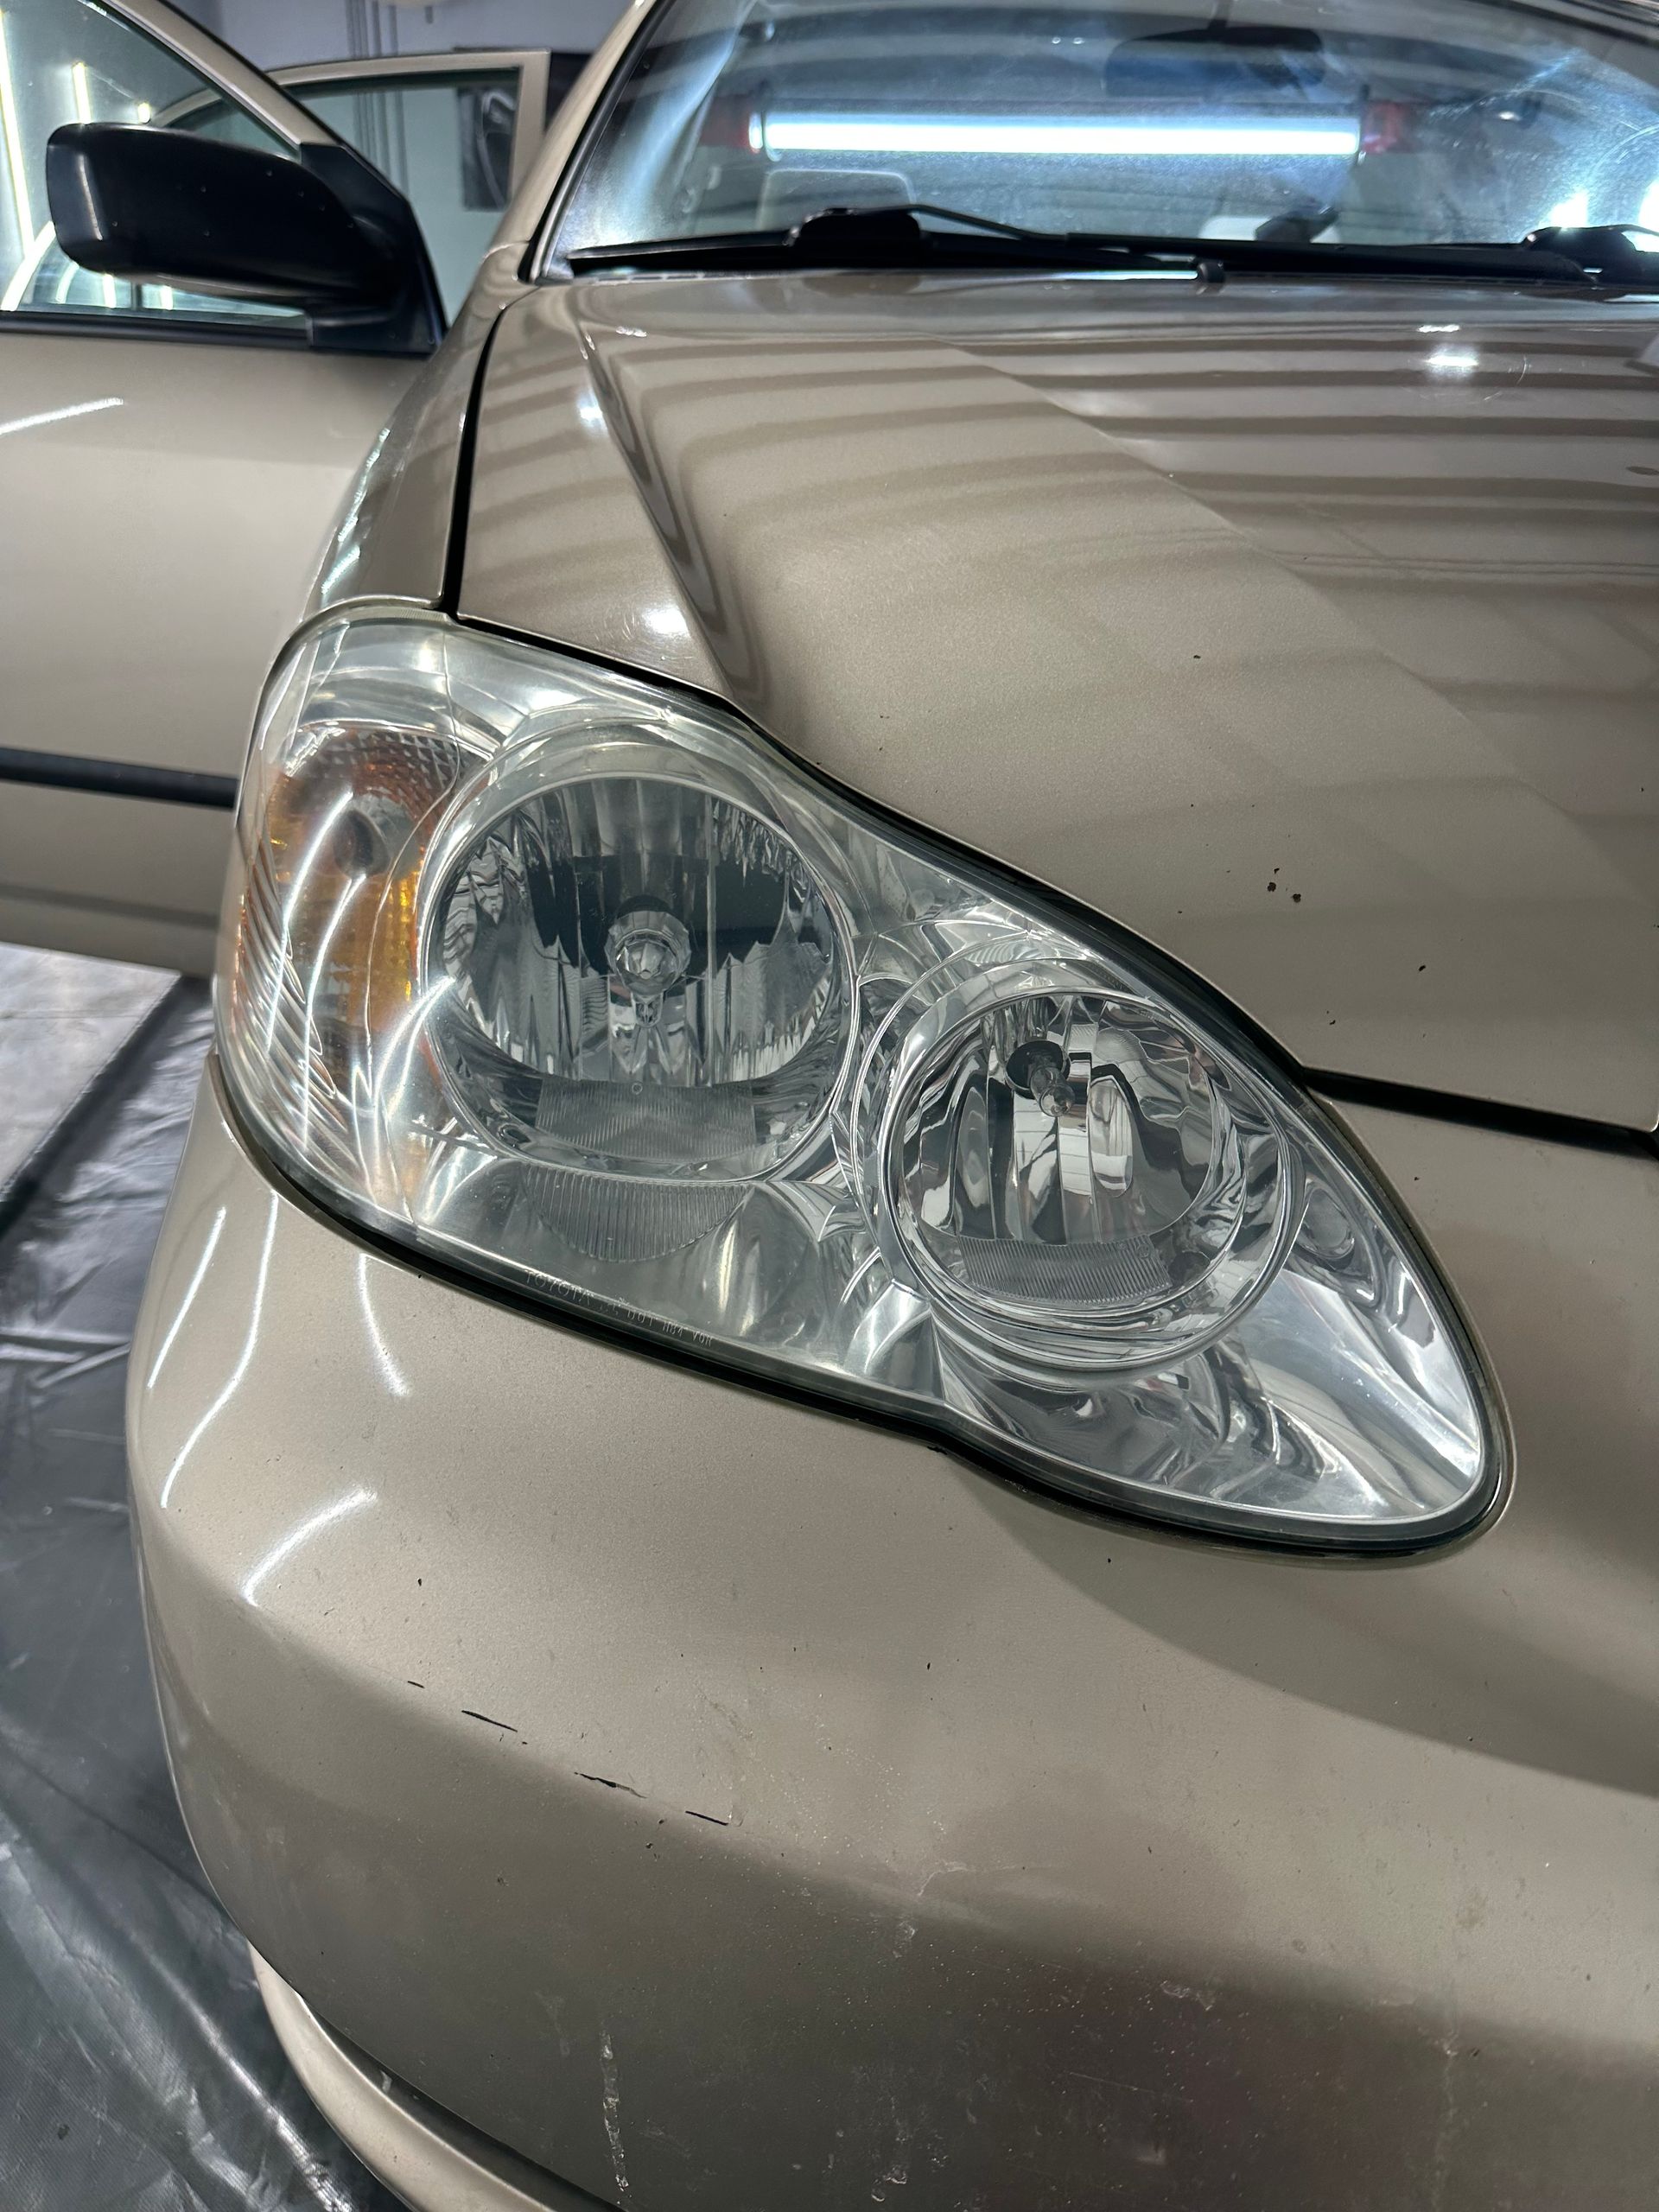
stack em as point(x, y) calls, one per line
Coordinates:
point(446, 141)
point(73, 61)
point(170, 465)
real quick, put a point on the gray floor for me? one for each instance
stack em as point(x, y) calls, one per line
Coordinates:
point(62, 1020)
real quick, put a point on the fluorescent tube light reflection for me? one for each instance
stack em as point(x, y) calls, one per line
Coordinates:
point(899, 134)
point(11, 130)
point(23, 276)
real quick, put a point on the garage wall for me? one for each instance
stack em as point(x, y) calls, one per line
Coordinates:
point(328, 30)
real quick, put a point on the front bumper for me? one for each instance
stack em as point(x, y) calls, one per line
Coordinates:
point(728, 1804)
point(436, 2163)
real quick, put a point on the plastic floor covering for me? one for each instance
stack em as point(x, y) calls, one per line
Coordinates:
point(63, 1022)
point(137, 2070)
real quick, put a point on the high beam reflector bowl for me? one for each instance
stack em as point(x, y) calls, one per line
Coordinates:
point(1071, 1172)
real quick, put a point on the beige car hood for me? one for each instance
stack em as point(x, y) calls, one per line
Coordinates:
point(1311, 633)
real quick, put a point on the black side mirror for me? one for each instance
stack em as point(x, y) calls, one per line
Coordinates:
point(168, 206)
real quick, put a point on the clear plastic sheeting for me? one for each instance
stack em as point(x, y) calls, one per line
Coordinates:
point(137, 2070)
point(63, 1022)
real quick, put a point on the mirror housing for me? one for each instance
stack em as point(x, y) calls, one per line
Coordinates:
point(164, 206)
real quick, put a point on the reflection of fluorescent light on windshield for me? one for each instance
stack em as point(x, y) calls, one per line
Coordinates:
point(899, 134)
point(23, 276)
point(17, 161)
point(1647, 217)
point(1571, 213)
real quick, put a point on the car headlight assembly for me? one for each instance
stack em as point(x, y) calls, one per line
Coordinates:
point(581, 987)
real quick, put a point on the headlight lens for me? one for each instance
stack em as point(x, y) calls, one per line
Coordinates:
point(1067, 1169)
point(585, 989)
point(646, 980)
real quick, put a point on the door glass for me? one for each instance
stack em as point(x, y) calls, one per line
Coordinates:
point(445, 141)
point(73, 61)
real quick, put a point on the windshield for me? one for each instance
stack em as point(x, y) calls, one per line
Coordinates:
point(1369, 122)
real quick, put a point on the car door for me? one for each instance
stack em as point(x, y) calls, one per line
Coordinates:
point(455, 132)
point(170, 467)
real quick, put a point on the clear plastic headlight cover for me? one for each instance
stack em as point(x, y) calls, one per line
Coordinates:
point(584, 989)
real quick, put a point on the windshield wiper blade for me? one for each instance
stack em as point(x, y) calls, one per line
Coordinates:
point(895, 238)
point(886, 238)
point(1525, 263)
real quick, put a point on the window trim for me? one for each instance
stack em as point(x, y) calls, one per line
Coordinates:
point(245, 86)
point(175, 329)
point(527, 226)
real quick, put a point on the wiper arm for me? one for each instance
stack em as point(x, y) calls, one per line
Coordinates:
point(888, 237)
point(1606, 251)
